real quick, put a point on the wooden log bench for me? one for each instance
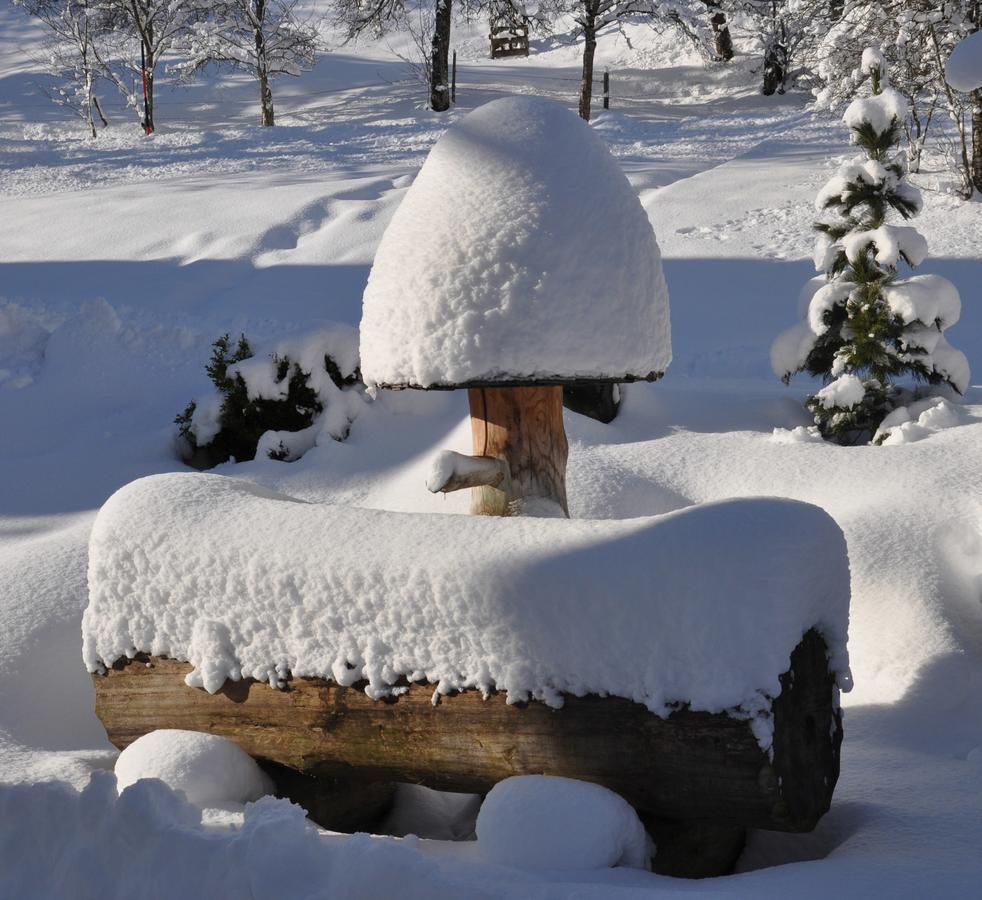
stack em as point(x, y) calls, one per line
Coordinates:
point(699, 778)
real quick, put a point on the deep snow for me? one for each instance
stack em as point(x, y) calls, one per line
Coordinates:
point(215, 226)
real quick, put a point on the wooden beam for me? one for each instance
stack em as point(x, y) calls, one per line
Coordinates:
point(689, 766)
point(522, 427)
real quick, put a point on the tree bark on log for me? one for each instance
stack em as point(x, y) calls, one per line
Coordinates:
point(688, 766)
point(523, 427)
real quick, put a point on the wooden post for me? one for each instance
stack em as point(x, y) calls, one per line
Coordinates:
point(606, 88)
point(523, 426)
point(453, 79)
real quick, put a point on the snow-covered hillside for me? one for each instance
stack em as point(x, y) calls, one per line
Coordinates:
point(123, 258)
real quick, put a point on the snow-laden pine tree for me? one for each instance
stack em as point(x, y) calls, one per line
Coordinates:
point(867, 331)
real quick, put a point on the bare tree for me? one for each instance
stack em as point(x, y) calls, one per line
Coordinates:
point(74, 26)
point(144, 30)
point(266, 38)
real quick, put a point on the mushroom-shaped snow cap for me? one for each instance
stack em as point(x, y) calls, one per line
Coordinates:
point(520, 255)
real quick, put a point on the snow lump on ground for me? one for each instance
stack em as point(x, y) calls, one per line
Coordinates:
point(206, 768)
point(521, 251)
point(703, 605)
point(545, 822)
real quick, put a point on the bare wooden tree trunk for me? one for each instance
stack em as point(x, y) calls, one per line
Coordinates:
point(265, 98)
point(98, 109)
point(440, 59)
point(262, 70)
point(586, 80)
point(977, 139)
point(523, 426)
point(89, 120)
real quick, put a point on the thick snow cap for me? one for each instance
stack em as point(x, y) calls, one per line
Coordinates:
point(520, 254)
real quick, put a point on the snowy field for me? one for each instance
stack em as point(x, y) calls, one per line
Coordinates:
point(122, 259)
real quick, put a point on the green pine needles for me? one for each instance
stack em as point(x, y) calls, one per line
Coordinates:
point(869, 334)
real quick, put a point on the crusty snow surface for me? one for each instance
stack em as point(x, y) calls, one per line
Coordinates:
point(123, 259)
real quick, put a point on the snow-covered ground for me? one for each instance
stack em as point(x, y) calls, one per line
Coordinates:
point(122, 259)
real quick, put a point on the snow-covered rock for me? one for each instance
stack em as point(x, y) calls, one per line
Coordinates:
point(964, 69)
point(205, 767)
point(702, 605)
point(521, 251)
point(545, 822)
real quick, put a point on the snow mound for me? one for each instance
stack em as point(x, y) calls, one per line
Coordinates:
point(149, 841)
point(918, 420)
point(545, 822)
point(964, 69)
point(205, 767)
point(521, 251)
point(703, 605)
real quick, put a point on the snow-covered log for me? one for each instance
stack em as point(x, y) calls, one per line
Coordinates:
point(688, 661)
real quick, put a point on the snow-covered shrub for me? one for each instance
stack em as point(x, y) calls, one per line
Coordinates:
point(205, 767)
point(865, 327)
point(278, 403)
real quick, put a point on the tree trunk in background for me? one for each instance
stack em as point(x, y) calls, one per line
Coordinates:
point(586, 81)
point(262, 70)
point(721, 31)
point(594, 400)
point(266, 98)
point(524, 427)
point(440, 59)
point(774, 72)
point(977, 139)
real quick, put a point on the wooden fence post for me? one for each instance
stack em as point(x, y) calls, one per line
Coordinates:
point(606, 88)
point(453, 79)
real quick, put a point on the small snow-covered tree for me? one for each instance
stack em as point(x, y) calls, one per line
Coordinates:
point(866, 328)
point(266, 38)
point(72, 52)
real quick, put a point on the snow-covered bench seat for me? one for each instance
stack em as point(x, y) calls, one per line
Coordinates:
point(665, 640)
